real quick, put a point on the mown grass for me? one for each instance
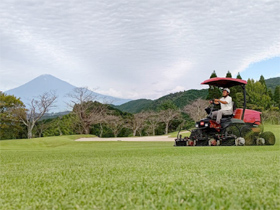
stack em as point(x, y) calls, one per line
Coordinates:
point(59, 173)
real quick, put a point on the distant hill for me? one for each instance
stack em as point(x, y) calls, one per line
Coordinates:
point(135, 106)
point(46, 83)
point(180, 99)
point(54, 115)
point(272, 83)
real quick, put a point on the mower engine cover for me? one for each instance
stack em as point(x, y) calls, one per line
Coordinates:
point(250, 116)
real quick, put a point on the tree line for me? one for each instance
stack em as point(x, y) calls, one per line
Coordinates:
point(101, 119)
point(87, 117)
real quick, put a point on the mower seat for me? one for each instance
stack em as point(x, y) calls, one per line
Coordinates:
point(227, 116)
point(230, 115)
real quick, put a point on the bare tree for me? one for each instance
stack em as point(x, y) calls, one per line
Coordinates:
point(137, 123)
point(166, 116)
point(103, 121)
point(37, 108)
point(152, 120)
point(196, 110)
point(115, 123)
point(88, 111)
point(101, 129)
point(81, 95)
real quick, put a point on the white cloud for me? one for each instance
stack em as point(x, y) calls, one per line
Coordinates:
point(177, 70)
point(134, 49)
point(112, 92)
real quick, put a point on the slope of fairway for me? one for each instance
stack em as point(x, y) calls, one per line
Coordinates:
point(60, 173)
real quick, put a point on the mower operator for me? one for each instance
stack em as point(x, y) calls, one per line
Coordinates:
point(226, 106)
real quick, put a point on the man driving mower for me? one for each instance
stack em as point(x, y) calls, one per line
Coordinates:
point(226, 106)
point(244, 125)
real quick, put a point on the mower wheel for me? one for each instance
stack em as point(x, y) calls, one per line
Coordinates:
point(232, 130)
point(248, 134)
point(269, 138)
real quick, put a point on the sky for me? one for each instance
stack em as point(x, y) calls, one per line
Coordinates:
point(137, 49)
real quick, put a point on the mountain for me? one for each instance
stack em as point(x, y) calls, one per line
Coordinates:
point(272, 83)
point(180, 99)
point(47, 83)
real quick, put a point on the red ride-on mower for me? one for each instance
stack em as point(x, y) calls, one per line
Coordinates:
point(243, 127)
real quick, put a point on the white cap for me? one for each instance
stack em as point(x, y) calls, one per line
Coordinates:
point(226, 89)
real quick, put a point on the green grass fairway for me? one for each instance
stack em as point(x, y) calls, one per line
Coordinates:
point(59, 173)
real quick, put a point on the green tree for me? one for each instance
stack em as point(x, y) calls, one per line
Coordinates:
point(269, 92)
point(10, 125)
point(213, 75)
point(277, 96)
point(168, 104)
point(228, 75)
point(213, 92)
point(257, 97)
point(238, 100)
point(238, 76)
point(262, 81)
point(236, 93)
point(62, 125)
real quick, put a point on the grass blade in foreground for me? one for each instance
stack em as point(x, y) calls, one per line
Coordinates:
point(59, 173)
